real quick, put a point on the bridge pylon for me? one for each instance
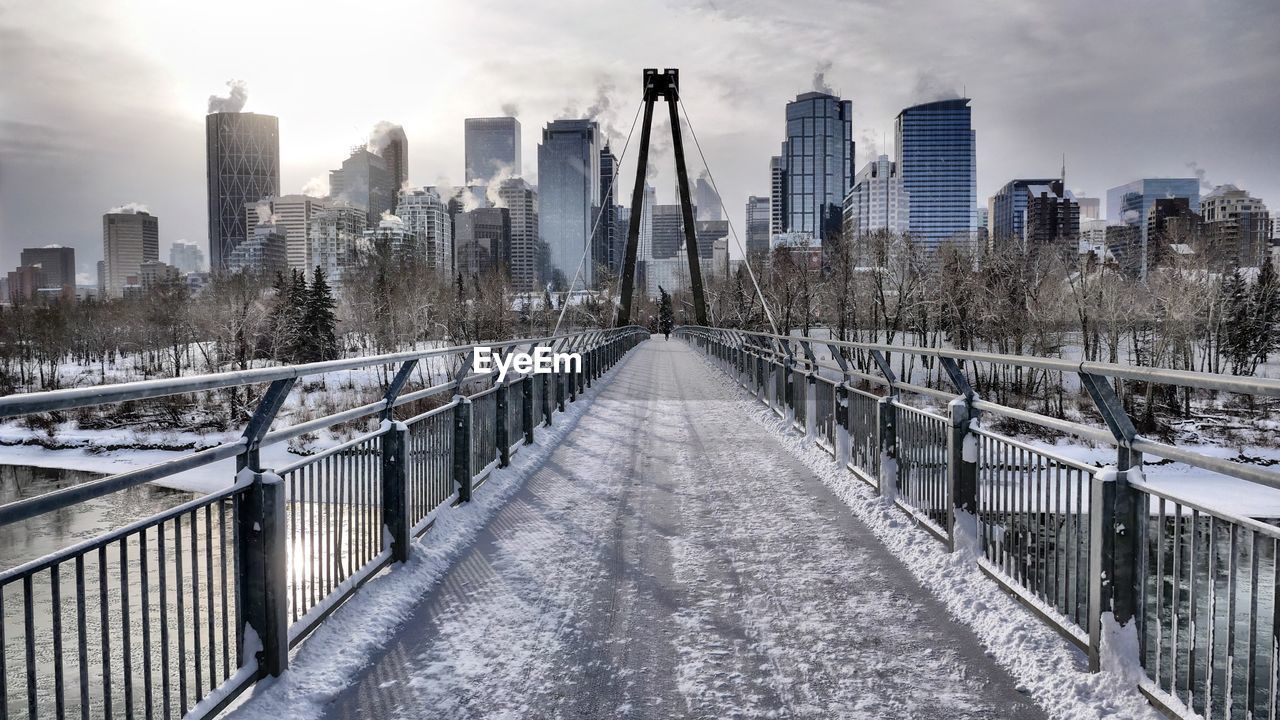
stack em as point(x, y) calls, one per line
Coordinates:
point(661, 85)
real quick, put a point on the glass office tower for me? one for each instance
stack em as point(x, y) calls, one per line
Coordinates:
point(817, 159)
point(1129, 204)
point(569, 198)
point(937, 159)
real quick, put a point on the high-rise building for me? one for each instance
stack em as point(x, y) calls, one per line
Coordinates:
point(492, 148)
point(1131, 203)
point(569, 198)
point(645, 241)
point(483, 240)
point(426, 215)
point(129, 239)
point(185, 256)
point(1090, 208)
point(1237, 226)
point(936, 153)
point(817, 161)
point(877, 201)
point(22, 284)
point(1124, 246)
point(265, 253)
point(395, 240)
point(777, 195)
point(291, 214)
point(706, 199)
point(719, 266)
point(1009, 210)
point(57, 265)
point(335, 239)
point(667, 232)
point(757, 225)
point(707, 232)
point(521, 201)
point(243, 166)
point(1053, 218)
point(608, 250)
point(154, 273)
point(364, 181)
point(393, 147)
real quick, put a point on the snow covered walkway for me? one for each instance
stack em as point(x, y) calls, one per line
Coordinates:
point(672, 559)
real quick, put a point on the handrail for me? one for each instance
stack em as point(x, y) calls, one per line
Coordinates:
point(1167, 376)
point(27, 403)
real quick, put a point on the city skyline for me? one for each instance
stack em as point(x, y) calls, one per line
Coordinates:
point(72, 129)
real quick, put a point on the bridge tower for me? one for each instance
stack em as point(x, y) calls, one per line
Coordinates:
point(661, 85)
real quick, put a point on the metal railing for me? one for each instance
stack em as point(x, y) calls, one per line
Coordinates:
point(177, 614)
point(1079, 545)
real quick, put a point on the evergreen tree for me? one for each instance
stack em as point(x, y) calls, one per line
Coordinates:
point(1237, 343)
point(319, 323)
point(1265, 331)
point(666, 316)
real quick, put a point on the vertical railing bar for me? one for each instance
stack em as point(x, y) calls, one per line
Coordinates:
point(4, 664)
point(144, 579)
point(126, 637)
point(1192, 608)
point(55, 597)
point(166, 671)
point(29, 639)
point(1232, 591)
point(1251, 657)
point(197, 660)
point(1211, 613)
point(181, 624)
point(208, 594)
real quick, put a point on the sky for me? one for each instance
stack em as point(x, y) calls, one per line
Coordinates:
point(102, 104)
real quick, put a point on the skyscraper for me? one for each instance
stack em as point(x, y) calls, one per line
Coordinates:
point(266, 252)
point(292, 214)
point(608, 251)
point(522, 257)
point(1009, 206)
point(364, 181)
point(937, 158)
point(335, 235)
point(492, 146)
point(757, 225)
point(706, 200)
point(667, 233)
point(1236, 224)
point(1131, 203)
point(569, 197)
point(877, 201)
point(1053, 218)
point(482, 241)
point(817, 159)
point(777, 196)
point(426, 215)
point(242, 165)
point(129, 238)
point(186, 256)
point(57, 265)
point(389, 143)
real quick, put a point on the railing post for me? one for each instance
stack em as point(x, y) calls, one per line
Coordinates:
point(548, 397)
point(462, 471)
point(395, 490)
point(501, 431)
point(526, 407)
point(263, 573)
point(1117, 525)
point(840, 411)
point(887, 415)
point(811, 403)
point(962, 471)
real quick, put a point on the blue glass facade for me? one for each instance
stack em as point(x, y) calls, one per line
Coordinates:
point(937, 158)
point(569, 197)
point(1009, 209)
point(817, 159)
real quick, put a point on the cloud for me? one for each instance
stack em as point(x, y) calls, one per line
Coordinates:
point(929, 87)
point(233, 102)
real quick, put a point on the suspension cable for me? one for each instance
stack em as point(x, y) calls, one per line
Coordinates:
point(591, 237)
point(746, 258)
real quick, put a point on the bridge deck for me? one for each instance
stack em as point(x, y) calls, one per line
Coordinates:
point(671, 559)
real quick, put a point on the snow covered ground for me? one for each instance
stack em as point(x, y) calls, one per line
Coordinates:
point(679, 556)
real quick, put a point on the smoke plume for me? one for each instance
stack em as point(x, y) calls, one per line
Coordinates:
point(233, 102)
point(382, 134)
point(1201, 175)
point(930, 88)
point(317, 186)
point(510, 109)
point(129, 207)
point(820, 78)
